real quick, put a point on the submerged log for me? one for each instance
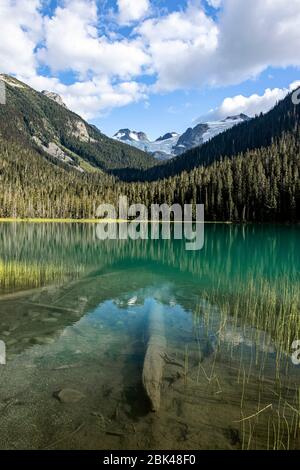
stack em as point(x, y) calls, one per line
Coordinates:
point(154, 359)
point(25, 293)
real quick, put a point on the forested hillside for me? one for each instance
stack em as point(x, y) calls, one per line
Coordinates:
point(34, 187)
point(260, 185)
point(39, 123)
point(55, 165)
point(256, 133)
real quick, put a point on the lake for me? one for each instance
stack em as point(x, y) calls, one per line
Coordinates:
point(76, 315)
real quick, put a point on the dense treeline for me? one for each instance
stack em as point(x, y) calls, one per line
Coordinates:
point(258, 185)
point(34, 187)
point(249, 173)
point(107, 154)
point(258, 132)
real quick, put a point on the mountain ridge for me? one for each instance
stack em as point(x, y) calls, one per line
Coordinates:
point(55, 97)
point(173, 144)
point(258, 132)
point(38, 121)
point(249, 173)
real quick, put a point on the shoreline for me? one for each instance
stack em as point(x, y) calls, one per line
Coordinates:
point(123, 221)
point(93, 221)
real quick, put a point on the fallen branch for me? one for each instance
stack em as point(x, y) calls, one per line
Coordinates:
point(171, 362)
point(255, 414)
point(52, 307)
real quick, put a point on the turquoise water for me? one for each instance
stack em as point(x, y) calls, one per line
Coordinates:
point(76, 316)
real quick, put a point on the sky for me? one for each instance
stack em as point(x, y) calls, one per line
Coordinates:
point(154, 65)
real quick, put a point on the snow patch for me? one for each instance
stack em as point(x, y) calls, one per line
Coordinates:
point(173, 144)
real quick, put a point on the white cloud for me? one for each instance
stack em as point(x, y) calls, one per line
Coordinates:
point(190, 49)
point(94, 97)
point(105, 67)
point(181, 45)
point(98, 96)
point(252, 105)
point(255, 35)
point(21, 29)
point(295, 85)
point(72, 42)
point(132, 10)
point(215, 3)
point(178, 50)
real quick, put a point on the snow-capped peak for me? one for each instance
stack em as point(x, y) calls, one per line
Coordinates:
point(160, 148)
point(237, 117)
point(132, 136)
point(169, 135)
point(206, 131)
point(173, 144)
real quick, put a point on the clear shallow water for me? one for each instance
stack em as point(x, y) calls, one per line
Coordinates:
point(75, 313)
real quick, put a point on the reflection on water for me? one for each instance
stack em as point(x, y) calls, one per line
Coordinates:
point(75, 314)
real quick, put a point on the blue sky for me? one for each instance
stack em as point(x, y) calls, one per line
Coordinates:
point(154, 65)
point(179, 110)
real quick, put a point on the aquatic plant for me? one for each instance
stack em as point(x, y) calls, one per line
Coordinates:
point(257, 322)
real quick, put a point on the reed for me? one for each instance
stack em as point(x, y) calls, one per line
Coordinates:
point(263, 317)
point(23, 275)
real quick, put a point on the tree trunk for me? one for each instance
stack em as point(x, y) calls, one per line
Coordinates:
point(154, 359)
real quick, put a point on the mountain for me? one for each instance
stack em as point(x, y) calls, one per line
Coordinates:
point(247, 173)
point(206, 131)
point(160, 149)
point(168, 136)
point(173, 144)
point(252, 134)
point(54, 97)
point(41, 122)
point(128, 136)
point(258, 185)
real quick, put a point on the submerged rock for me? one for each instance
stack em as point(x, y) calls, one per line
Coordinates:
point(68, 395)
